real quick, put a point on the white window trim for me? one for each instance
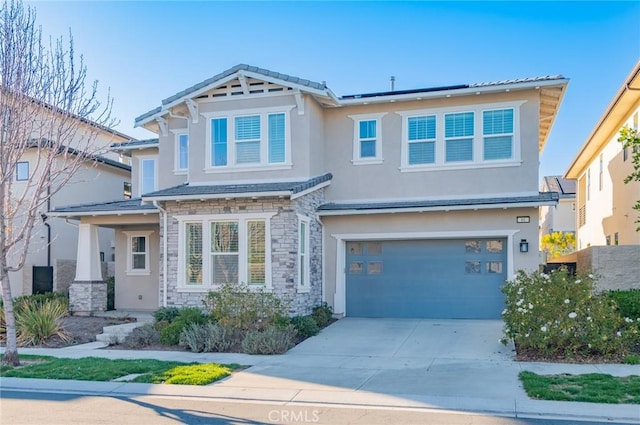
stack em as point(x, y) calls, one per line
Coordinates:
point(478, 138)
point(130, 271)
point(264, 140)
point(206, 221)
point(307, 275)
point(141, 160)
point(378, 159)
point(176, 152)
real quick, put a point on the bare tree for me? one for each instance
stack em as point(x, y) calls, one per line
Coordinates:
point(48, 115)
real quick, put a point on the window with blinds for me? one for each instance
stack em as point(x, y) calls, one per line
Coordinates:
point(458, 133)
point(422, 139)
point(497, 129)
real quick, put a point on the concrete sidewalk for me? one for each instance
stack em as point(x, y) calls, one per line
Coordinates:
point(400, 366)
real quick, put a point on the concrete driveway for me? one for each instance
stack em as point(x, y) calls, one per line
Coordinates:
point(416, 359)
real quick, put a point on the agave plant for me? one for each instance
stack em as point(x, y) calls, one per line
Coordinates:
point(35, 322)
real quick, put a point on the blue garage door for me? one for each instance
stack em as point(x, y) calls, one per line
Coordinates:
point(453, 278)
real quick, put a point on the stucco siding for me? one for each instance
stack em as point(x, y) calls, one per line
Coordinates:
point(387, 181)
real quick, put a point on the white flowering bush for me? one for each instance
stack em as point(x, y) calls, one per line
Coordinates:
point(558, 315)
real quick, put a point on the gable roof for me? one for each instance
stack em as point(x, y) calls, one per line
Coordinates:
point(313, 87)
point(216, 191)
point(420, 205)
point(566, 188)
point(35, 143)
point(626, 99)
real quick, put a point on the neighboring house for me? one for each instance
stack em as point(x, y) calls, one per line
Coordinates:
point(50, 263)
point(560, 217)
point(412, 203)
point(604, 213)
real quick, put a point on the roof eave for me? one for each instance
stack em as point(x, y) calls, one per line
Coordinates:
point(457, 92)
point(69, 214)
point(437, 208)
point(283, 193)
point(630, 88)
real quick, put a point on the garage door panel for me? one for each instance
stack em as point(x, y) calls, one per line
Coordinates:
point(426, 278)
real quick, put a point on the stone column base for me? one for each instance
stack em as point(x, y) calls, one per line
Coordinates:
point(87, 297)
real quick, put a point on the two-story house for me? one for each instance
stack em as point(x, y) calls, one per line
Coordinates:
point(604, 214)
point(412, 203)
point(50, 262)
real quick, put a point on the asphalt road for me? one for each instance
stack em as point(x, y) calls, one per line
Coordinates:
point(22, 407)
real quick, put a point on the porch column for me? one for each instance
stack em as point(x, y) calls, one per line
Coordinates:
point(88, 292)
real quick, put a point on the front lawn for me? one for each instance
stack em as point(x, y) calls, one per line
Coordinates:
point(99, 369)
point(593, 387)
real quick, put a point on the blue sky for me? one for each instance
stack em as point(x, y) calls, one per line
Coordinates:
point(147, 51)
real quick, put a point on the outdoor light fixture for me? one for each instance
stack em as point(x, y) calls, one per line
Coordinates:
point(524, 245)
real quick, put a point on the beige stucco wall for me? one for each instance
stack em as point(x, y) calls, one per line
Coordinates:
point(137, 292)
point(610, 207)
point(92, 183)
point(434, 225)
point(375, 181)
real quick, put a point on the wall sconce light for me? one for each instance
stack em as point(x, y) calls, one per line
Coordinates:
point(524, 245)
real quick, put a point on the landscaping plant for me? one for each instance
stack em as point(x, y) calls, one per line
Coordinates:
point(558, 315)
point(305, 326)
point(628, 302)
point(36, 321)
point(242, 307)
point(271, 340)
point(207, 337)
point(322, 314)
point(170, 333)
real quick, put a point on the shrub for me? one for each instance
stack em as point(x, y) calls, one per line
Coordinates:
point(628, 302)
point(322, 314)
point(142, 336)
point(170, 334)
point(305, 326)
point(207, 337)
point(558, 315)
point(36, 321)
point(111, 293)
point(166, 314)
point(40, 299)
point(244, 308)
point(271, 340)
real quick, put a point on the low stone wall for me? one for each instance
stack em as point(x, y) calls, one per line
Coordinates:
point(617, 266)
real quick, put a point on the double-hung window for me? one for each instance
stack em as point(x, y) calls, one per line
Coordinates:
point(22, 171)
point(222, 249)
point(257, 139)
point(421, 140)
point(458, 133)
point(497, 131)
point(367, 138)
point(483, 135)
point(148, 175)
point(138, 252)
point(303, 254)
point(182, 153)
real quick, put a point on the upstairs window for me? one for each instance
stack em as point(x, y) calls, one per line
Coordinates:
point(422, 140)
point(147, 175)
point(497, 129)
point(458, 133)
point(22, 171)
point(484, 135)
point(367, 140)
point(252, 140)
point(126, 190)
point(247, 139)
point(182, 152)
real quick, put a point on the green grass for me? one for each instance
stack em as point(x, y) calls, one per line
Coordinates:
point(592, 387)
point(99, 369)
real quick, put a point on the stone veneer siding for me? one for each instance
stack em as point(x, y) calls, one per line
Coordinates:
point(87, 297)
point(284, 246)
